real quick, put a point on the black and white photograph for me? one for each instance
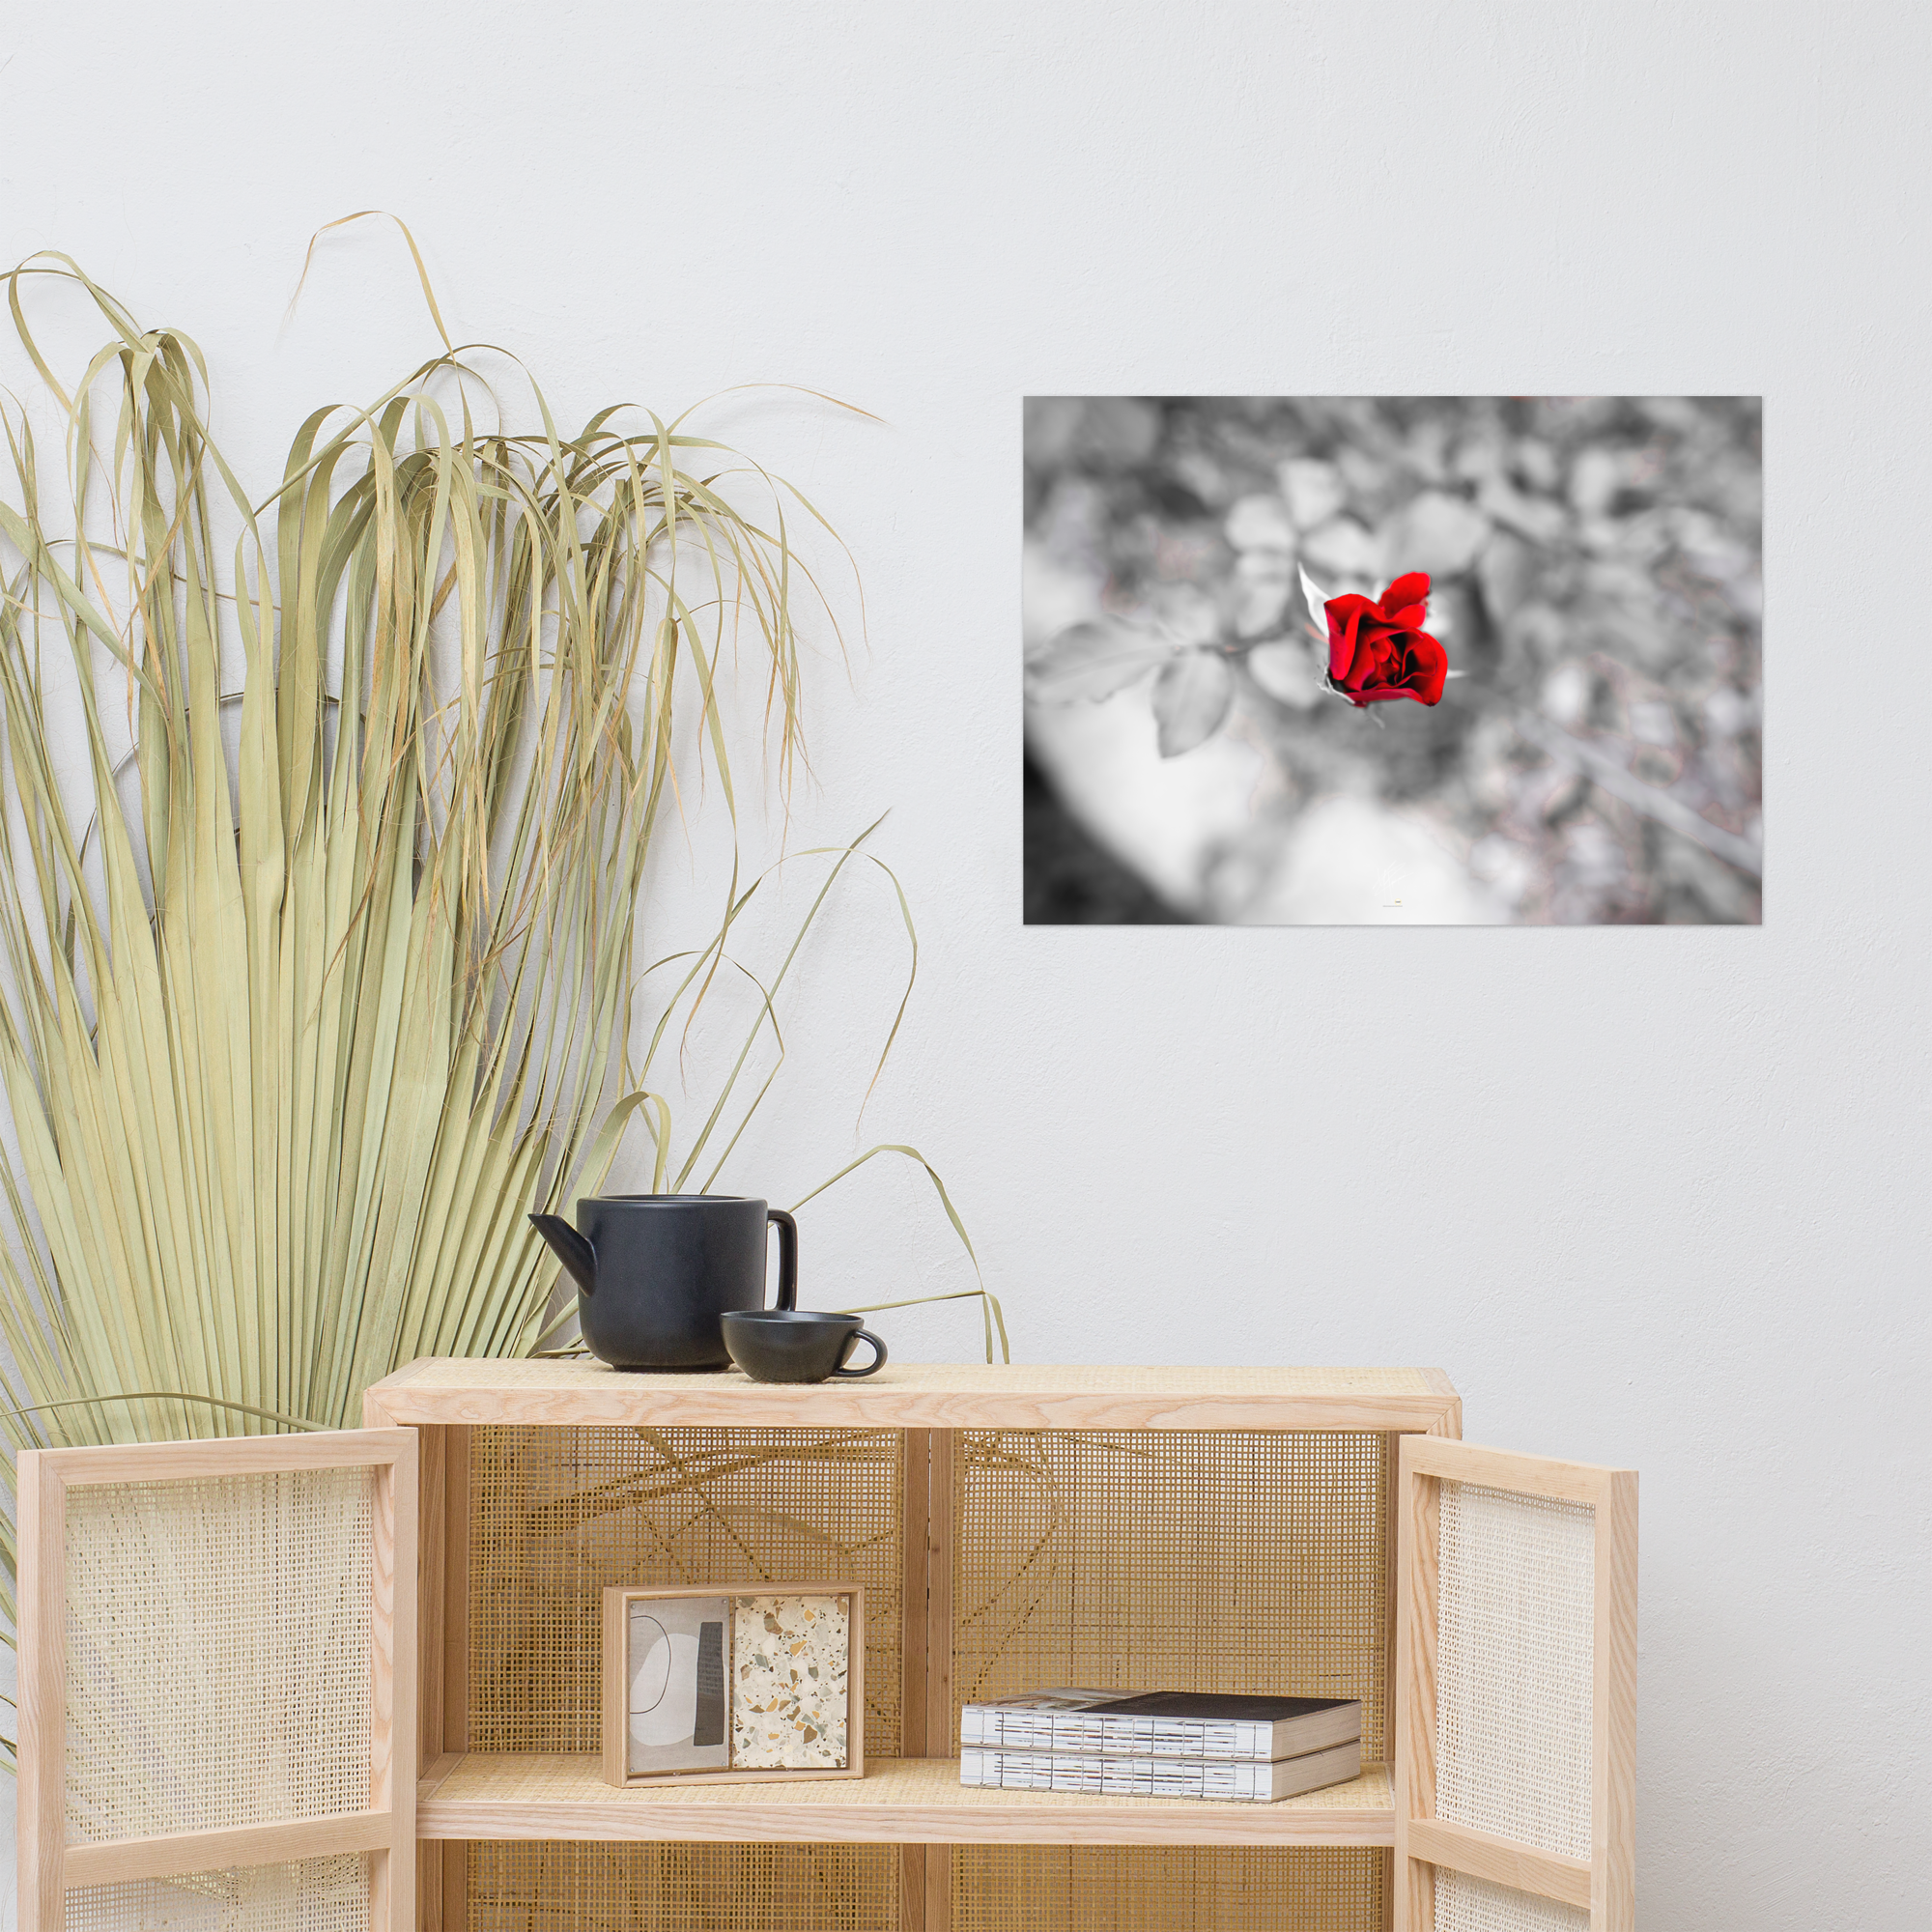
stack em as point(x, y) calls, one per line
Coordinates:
point(1393, 660)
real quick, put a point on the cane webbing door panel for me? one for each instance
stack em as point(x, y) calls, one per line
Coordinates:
point(1516, 1693)
point(217, 1700)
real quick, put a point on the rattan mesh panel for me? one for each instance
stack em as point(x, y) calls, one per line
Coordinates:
point(1173, 1560)
point(557, 1513)
point(217, 1651)
point(1515, 1645)
point(1169, 1889)
point(1465, 1904)
point(533, 1887)
point(310, 1895)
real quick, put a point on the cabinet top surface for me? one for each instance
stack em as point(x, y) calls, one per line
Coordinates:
point(923, 1395)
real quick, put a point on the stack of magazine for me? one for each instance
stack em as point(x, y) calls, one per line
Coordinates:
point(1164, 1744)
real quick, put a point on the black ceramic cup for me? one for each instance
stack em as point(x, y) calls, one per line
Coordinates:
point(792, 1344)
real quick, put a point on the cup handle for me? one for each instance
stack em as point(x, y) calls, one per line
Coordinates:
point(872, 1367)
point(787, 1257)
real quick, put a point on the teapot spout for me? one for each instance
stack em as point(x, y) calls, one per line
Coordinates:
point(570, 1248)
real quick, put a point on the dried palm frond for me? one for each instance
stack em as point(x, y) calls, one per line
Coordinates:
point(323, 825)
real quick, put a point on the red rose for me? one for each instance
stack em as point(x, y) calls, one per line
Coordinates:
point(1381, 650)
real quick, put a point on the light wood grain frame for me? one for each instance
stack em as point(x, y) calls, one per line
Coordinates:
point(1604, 1884)
point(49, 1866)
point(614, 1728)
point(443, 1624)
point(926, 1657)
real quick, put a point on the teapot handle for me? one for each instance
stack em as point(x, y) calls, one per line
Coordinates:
point(787, 1257)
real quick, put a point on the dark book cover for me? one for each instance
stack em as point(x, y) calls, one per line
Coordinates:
point(1206, 1707)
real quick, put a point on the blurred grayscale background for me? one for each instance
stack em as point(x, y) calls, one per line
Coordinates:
point(1596, 566)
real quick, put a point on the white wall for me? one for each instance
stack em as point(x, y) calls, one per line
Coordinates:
point(1659, 1196)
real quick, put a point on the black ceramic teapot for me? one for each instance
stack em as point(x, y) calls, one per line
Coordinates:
point(655, 1273)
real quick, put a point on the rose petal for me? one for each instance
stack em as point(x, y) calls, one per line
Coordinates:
point(1378, 655)
point(1406, 591)
point(1434, 663)
point(1345, 616)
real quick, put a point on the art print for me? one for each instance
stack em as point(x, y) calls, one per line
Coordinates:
point(1484, 660)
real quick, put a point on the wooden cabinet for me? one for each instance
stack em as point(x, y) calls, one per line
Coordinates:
point(1231, 1528)
point(217, 1697)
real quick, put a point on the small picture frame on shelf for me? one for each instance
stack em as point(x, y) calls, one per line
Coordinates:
point(733, 1684)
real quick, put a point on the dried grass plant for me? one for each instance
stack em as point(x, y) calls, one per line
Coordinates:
point(319, 970)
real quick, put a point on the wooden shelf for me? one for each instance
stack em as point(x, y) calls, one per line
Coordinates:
point(898, 1802)
point(920, 1395)
point(917, 1487)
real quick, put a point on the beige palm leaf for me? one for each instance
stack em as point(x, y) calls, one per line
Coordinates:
point(319, 970)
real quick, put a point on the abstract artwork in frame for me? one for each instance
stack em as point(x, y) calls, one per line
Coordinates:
point(1393, 660)
point(700, 1681)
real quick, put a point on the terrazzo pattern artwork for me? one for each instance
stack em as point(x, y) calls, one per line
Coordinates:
point(790, 1658)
